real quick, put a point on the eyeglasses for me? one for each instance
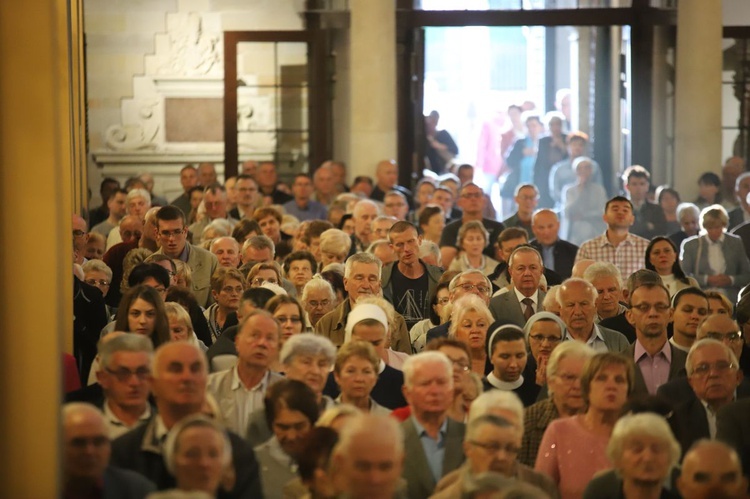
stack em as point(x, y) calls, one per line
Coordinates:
point(469, 287)
point(294, 320)
point(460, 365)
point(316, 304)
point(94, 282)
point(124, 374)
point(495, 447)
point(720, 367)
point(78, 233)
point(540, 338)
point(166, 234)
point(229, 289)
point(645, 307)
point(730, 337)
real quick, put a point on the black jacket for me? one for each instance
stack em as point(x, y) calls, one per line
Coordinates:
point(565, 256)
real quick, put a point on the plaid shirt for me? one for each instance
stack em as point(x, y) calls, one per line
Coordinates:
point(628, 256)
point(535, 421)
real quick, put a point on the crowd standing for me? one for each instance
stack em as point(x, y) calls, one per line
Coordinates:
point(317, 339)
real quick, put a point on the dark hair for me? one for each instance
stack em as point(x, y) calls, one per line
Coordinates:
point(710, 178)
point(292, 395)
point(648, 285)
point(618, 199)
point(400, 227)
point(679, 274)
point(243, 228)
point(345, 218)
point(107, 184)
point(300, 255)
point(316, 228)
point(132, 182)
point(316, 452)
point(258, 296)
point(169, 212)
point(512, 233)
point(160, 334)
point(184, 296)
point(507, 333)
point(143, 271)
point(363, 178)
point(664, 189)
point(687, 291)
point(279, 300)
point(433, 301)
point(445, 341)
point(636, 171)
point(427, 213)
point(336, 281)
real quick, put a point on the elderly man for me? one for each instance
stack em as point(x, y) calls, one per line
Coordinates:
point(268, 180)
point(396, 205)
point(215, 201)
point(656, 360)
point(386, 180)
point(526, 197)
point(468, 281)
point(577, 298)
point(324, 183)
point(134, 232)
point(382, 249)
point(318, 298)
point(432, 441)
point(606, 279)
point(741, 213)
point(471, 200)
point(172, 234)
point(257, 249)
point(247, 194)
point(179, 385)
point(712, 469)
point(227, 251)
point(361, 278)
point(557, 254)
point(409, 282)
point(714, 375)
point(620, 322)
point(369, 457)
point(302, 206)
point(85, 458)
point(617, 245)
point(188, 180)
point(689, 310)
point(525, 298)
point(240, 390)
point(138, 202)
point(380, 226)
point(80, 237)
point(364, 213)
point(207, 174)
point(117, 209)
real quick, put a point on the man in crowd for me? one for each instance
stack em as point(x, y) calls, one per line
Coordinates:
point(620, 322)
point(240, 391)
point(227, 251)
point(396, 205)
point(469, 281)
point(380, 226)
point(138, 202)
point(324, 182)
point(363, 214)
point(444, 198)
point(117, 209)
point(85, 458)
point(562, 173)
point(302, 206)
point(617, 245)
point(207, 174)
point(711, 469)
point(526, 198)
point(107, 187)
point(557, 254)
point(215, 202)
point(432, 440)
point(409, 282)
point(656, 360)
point(172, 234)
point(741, 213)
point(649, 217)
point(247, 194)
point(268, 180)
point(188, 180)
point(80, 237)
point(689, 310)
point(386, 180)
point(525, 297)
point(257, 249)
point(605, 278)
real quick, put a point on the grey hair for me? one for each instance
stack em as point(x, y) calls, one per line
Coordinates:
point(259, 243)
point(177, 311)
point(642, 424)
point(465, 304)
point(317, 283)
point(164, 346)
point(492, 400)
point(361, 257)
point(138, 343)
point(430, 248)
point(98, 266)
point(454, 282)
point(231, 239)
point(376, 244)
point(220, 225)
point(577, 280)
point(138, 193)
point(330, 415)
point(171, 445)
point(551, 297)
point(384, 218)
point(382, 427)
point(413, 363)
point(602, 269)
point(702, 343)
point(335, 241)
point(365, 202)
point(307, 344)
point(564, 350)
point(492, 419)
point(684, 208)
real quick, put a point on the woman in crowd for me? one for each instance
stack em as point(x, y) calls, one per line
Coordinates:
point(643, 452)
point(552, 149)
point(438, 301)
point(264, 272)
point(563, 374)
point(472, 239)
point(336, 280)
point(356, 372)
point(688, 215)
point(227, 287)
point(718, 303)
point(727, 270)
point(198, 453)
point(544, 331)
point(432, 222)
point(291, 410)
point(470, 319)
point(142, 311)
point(185, 298)
point(507, 353)
point(334, 246)
point(289, 313)
point(669, 200)
point(346, 224)
point(180, 325)
point(464, 387)
point(98, 274)
point(314, 463)
point(196, 211)
point(244, 230)
point(583, 201)
point(661, 257)
point(573, 449)
point(318, 299)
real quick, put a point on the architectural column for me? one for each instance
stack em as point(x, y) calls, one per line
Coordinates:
point(698, 93)
point(372, 77)
point(35, 228)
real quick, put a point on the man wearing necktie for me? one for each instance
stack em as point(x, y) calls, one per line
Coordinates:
point(524, 298)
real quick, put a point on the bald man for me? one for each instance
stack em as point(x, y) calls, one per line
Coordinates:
point(557, 254)
point(386, 180)
point(711, 469)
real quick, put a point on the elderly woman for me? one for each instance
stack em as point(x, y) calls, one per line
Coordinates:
point(198, 453)
point(318, 299)
point(688, 215)
point(334, 246)
point(356, 372)
point(727, 268)
point(573, 449)
point(472, 239)
point(544, 331)
point(563, 375)
point(661, 257)
point(438, 301)
point(98, 274)
point(432, 222)
point(470, 320)
point(291, 411)
point(643, 452)
point(507, 353)
point(142, 311)
point(227, 287)
point(262, 273)
point(583, 201)
point(180, 325)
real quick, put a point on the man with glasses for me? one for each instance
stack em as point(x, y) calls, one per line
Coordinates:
point(215, 201)
point(318, 298)
point(468, 281)
point(714, 375)
point(172, 236)
point(657, 361)
point(247, 197)
point(525, 298)
point(80, 237)
point(471, 200)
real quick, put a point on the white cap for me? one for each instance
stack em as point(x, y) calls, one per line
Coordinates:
point(277, 290)
point(363, 312)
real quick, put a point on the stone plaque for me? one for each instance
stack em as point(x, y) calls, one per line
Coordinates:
point(194, 119)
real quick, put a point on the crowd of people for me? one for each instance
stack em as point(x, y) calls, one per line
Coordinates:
point(324, 339)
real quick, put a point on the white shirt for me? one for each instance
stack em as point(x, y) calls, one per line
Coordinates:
point(116, 426)
point(534, 299)
point(716, 260)
point(595, 341)
point(242, 403)
point(711, 418)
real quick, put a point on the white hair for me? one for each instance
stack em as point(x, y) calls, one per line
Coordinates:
point(602, 269)
point(642, 424)
point(468, 303)
point(492, 400)
point(706, 342)
point(335, 241)
point(171, 445)
point(415, 362)
point(138, 193)
point(430, 248)
point(317, 283)
point(98, 266)
point(577, 280)
point(108, 346)
point(361, 257)
point(381, 427)
point(307, 344)
point(576, 349)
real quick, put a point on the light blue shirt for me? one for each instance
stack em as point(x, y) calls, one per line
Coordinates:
point(313, 210)
point(434, 450)
point(548, 257)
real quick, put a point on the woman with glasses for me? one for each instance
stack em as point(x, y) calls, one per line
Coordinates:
point(226, 288)
point(318, 298)
point(438, 301)
point(661, 257)
point(98, 274)
point(472, 240)
point(544, 332)
point(288, 312)
point(262, 273)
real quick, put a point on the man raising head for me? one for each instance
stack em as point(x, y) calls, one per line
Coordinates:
point(557, 254)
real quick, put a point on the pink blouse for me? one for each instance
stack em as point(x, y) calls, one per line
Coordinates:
point(570, 454)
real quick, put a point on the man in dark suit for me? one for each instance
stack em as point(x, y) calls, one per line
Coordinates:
point(433, 442)
point(557, 254)
point(386, 180)
point(649, 217)
point(656, 360)
point(714, 375)
point(179, 385)
point(525, 298)
point(733, 427)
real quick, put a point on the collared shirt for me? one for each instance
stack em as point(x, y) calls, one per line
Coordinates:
point(595, 341)
point(534, 298)
point(160, 431)
point(716, 261)
point(278, 454)
point(185, 253)
point(116, 426)
point(711, 418)
point(655, 370)
point(312, 211)
point(246, 401)
point(628, 256)
point(548, 257)
point(434, 450)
